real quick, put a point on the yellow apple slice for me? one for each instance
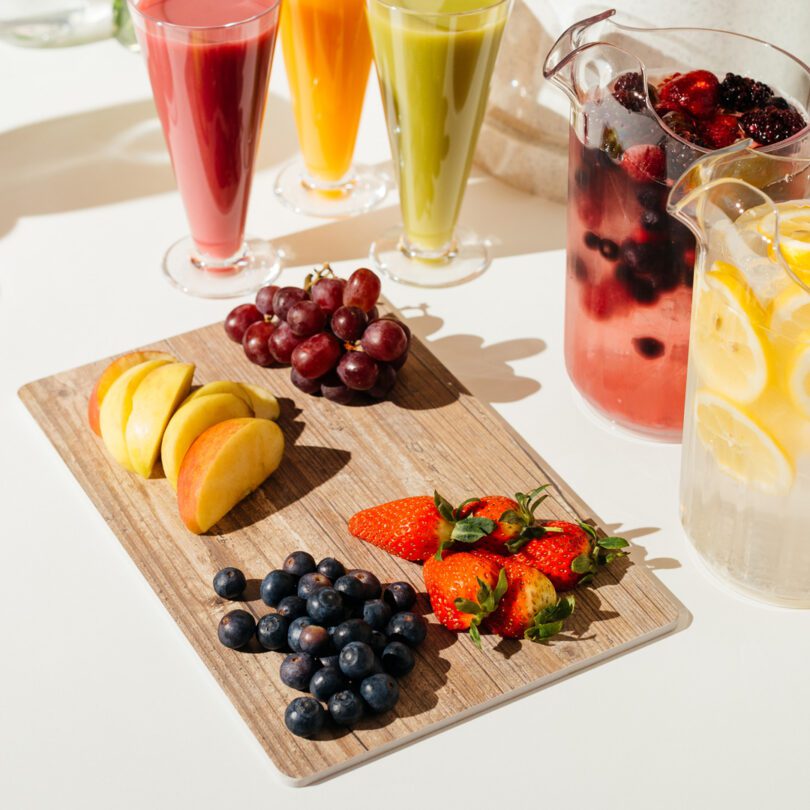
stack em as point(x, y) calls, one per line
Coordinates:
point(117, 406)
point(192, 419)
point(264, 404)
point(225, 464)
point(154, 402)
point(221, 387)
point(110, 374)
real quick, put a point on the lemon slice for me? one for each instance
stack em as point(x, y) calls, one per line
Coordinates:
point(741, 447)
point(799, 380)
point(794, 233)
point(790, 316)
point(728, 352)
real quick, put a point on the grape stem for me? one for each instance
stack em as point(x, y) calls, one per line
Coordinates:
point(316, 275)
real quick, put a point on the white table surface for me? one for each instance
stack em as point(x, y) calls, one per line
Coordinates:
point(104, 704)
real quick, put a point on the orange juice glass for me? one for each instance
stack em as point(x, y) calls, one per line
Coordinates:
point(327, 54)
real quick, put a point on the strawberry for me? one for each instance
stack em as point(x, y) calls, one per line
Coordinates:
point(569, 553)
point(719, 131)
point(696, 92)
point(529, 608)
point(417, 528)
point(645, 162)
point(464, 589)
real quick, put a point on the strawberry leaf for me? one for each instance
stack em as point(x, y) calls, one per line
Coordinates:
point(500, 586)
point(466, 605)
point(471, 529)
point(512, 517)
point(612, 542)
point(475, 635)
point(589, 529)
point(549, 621)
point(443, 507)
point(583, 564)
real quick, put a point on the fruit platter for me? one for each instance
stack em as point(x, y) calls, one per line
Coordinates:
point(298, 539)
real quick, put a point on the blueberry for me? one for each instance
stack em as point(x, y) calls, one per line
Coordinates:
point(591, 240)
point(297, 669)
point(229, 583)
point(376, 614)
point(331, 568)
point(330, 661)
point(326, 607)
point(325, 682)
point(299, 563)
point(378, 642)
point(371, 585)
point(652, 220)
point(236, 629)
point(380, 692)
point(609, 249)
point(397, 659)
point(643, 289)
point(315, 640)
point(399, 595)
point(346, 708)
point(305, 717)
point(276, 585)
point(409, 628)
point(292, 607)
point(648, 347)
point(272, 631)
point(351, 630)
point(356, 660)
point(309, 583)
point(580, 268)
point(350, 588)
point(294, 633)
point(653, 198)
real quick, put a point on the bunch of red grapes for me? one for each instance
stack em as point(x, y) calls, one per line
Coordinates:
point(329, 331)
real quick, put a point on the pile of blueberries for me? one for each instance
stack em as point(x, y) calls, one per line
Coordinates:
point(348, 638)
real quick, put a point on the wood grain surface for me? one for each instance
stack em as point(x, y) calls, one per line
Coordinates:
point(434, 434)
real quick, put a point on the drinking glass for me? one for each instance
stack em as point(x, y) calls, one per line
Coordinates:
point(209, 65)
point(434, 62)
point(327, 53)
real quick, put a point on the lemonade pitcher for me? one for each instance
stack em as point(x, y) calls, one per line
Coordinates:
point(645, 104)
point(745, 477)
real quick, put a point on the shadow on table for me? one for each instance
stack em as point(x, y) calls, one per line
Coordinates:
point(101, 157)
point(513, 222)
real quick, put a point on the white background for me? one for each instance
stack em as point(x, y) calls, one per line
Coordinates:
point(103, 704)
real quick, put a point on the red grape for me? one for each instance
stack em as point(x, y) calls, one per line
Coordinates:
point(405, 328)
point(357, 370)
point(373, 314)
point(316, 355)
point(282, 343)
point(239, 319)
point(255, 343)
point(386, 378)
point(348, 323)
point(285, 298)
point(385, 340)
point(306, 318)
point(264, 299)
point(362, 289)
point(335, 392)
point(328, 293)
point(305, 385)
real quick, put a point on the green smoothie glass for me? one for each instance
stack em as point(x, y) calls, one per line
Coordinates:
point(434, 62)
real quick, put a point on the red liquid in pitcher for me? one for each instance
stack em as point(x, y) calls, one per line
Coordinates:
point(630, 265)
point(210, 91)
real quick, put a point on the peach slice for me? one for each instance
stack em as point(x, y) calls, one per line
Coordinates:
point(221, 387)
point(117, 406)
point(264, 404)
point(110, 374)
point(224, 465)
point(154, 402)
point(190, 420)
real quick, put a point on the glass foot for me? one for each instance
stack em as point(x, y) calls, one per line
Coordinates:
point(256, 265)
point(363, 189)
point(465, 258)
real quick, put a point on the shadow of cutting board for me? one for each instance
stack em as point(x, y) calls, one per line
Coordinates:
point(338, 460)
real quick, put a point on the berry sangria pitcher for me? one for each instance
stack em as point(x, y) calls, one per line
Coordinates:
point(645, 104)
point(745, 476)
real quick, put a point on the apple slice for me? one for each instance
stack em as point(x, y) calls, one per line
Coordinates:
point(190, 420)
point(117, 406)
point(154, 402)
point(221, 387)
point(225, 464)
point(110, 374)
point(264, 404)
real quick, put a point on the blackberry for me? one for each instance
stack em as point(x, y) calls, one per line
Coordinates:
point(740, 94)
point(628, 90)
point(648, 347)
point(772, 124)
point(779, 102)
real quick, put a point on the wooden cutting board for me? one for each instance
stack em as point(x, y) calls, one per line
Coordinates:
point(434, 434)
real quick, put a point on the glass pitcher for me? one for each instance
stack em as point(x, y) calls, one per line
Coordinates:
point(630, 265)
point(745, 478)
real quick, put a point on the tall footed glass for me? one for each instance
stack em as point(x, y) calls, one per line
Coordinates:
point(434, 62)
point(630, 264)
point(745, 479)
point(209, 65)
